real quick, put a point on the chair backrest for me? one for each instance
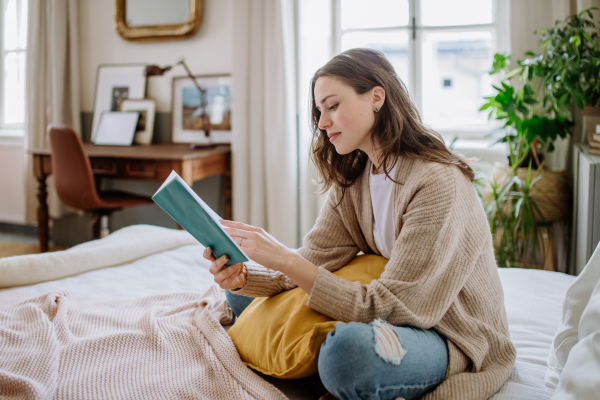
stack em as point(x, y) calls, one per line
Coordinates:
point(71, 168)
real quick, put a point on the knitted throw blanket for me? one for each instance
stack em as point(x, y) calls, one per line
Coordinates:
point(168, 346)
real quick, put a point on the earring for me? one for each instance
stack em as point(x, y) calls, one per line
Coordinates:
point(376, 109)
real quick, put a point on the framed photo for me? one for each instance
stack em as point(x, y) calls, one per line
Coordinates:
point(115, 82)
point(116, 128)
point(145, 124)
point(187, 113)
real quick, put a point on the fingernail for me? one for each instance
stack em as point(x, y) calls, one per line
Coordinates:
point(208, 249)
point(226, 258)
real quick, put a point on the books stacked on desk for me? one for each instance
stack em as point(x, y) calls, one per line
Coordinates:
point(595, 144)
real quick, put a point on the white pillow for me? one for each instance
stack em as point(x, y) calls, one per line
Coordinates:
point(574, 359)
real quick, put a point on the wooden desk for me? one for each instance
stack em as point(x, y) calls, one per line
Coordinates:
point(144, 163)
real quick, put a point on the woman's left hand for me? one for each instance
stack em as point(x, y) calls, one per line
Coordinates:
point(259, 245)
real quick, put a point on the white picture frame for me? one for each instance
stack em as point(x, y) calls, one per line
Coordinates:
point(145, 126)
point(186, 121)
point(115, 82)
point(116, 128)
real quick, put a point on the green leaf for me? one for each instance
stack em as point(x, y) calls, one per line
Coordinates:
point(512, 73)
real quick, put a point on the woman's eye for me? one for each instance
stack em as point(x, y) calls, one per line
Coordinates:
point(333, 107)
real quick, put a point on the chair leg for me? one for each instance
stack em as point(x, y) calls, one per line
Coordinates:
point(104, 231)
point(100, 227)
point(96, 226)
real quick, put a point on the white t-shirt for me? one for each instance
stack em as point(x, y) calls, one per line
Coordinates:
point(383, 210)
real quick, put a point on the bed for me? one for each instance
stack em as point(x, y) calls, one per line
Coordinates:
point(172, 263)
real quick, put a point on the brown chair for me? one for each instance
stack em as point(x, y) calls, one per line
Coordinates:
point(74, 180)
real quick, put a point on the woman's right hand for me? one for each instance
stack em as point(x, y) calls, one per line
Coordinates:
point(231, 277)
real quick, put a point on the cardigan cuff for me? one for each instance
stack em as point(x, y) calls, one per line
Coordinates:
point(261, 282)
point(333, 296)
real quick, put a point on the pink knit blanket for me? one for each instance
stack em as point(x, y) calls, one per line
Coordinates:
point(168, 346)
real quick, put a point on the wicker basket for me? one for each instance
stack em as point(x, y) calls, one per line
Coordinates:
point(551, 192)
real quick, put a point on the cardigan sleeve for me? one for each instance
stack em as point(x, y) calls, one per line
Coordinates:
point(442, 232)
point(328, 244)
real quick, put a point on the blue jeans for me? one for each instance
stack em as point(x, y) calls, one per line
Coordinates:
point(376, 360)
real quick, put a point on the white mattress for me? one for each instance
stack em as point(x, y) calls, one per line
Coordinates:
point(533, 302)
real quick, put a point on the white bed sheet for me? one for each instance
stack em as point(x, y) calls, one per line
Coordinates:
point(533, 302)
point(177, 270)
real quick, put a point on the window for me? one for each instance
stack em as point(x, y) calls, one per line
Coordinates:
point(13, 44)
point(441, 49)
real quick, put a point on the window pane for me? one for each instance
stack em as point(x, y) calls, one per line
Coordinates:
point(15, 25)
point(23, 25)
point(14, 88)
point(455, 79)
point(456, 12)
point(374, 13)
point(394, 44)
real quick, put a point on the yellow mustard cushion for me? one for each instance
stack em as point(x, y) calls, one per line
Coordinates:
point(281, 336)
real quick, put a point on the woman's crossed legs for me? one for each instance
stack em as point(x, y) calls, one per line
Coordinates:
point(376, 360)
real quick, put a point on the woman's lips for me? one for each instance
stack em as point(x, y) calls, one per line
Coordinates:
point(332, 136)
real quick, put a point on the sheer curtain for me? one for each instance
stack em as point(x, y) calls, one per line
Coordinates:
point(52, 84)
point(264, 154)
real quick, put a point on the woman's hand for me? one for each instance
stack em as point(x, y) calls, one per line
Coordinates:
point(259, 245)
point(231, 277)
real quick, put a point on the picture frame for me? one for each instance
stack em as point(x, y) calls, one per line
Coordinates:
point(145, 126)
point(116, 128)
point(113, 83)
point(136, 22)
point(186, 120)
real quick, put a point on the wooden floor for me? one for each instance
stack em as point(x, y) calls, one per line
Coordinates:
point(18, 244)
point(8, 249)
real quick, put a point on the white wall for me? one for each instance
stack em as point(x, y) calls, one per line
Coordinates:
point(528, 15)
point(12, 184)
point(207, 52)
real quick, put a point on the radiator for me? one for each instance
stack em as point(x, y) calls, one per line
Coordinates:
point(586, 205)
point(12, 182)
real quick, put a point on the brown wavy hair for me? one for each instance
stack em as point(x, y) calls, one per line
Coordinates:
point(398, 128)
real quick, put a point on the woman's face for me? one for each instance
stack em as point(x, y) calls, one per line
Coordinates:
point(346, 116)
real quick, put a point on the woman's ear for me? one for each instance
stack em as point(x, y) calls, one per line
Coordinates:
point(378, 97)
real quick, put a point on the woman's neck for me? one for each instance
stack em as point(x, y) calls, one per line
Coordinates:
point(373, 154)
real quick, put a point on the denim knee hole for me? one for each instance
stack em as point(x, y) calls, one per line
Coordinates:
point(387, 343)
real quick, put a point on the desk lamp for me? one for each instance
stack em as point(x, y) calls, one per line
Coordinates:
point(153, 70)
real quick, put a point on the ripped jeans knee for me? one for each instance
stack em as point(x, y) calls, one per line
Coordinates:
point(381, 361)
point(387, 343)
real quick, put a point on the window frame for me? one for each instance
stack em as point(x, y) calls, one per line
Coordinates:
point(500, 43)
point(13, 129)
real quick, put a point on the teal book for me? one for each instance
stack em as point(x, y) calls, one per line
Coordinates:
point(183, 205)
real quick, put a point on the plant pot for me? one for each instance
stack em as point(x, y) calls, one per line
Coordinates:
point(550, 192)
point(529, 159)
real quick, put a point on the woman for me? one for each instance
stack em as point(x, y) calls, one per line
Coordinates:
point(434, 323)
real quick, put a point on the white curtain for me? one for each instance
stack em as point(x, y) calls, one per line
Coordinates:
point(52, 84)
point(264, 154)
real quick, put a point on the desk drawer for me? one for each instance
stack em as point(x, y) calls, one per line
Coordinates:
point(104, 167)
point(140, 169)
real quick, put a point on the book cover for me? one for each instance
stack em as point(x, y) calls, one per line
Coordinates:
point(178, 200)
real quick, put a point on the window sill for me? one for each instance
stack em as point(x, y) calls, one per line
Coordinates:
point(482, 149)
point(12, 137)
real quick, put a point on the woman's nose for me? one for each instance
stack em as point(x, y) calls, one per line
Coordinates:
point(324, 123)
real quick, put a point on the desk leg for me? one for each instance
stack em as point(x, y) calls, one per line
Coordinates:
point(227, 212)
point(42, 212)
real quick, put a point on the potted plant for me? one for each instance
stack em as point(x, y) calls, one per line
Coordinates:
point(569, 66)
point(523, 200)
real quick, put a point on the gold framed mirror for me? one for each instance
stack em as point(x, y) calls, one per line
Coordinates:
point(154, 20)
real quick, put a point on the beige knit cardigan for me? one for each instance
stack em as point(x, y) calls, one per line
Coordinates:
point(441, 274)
